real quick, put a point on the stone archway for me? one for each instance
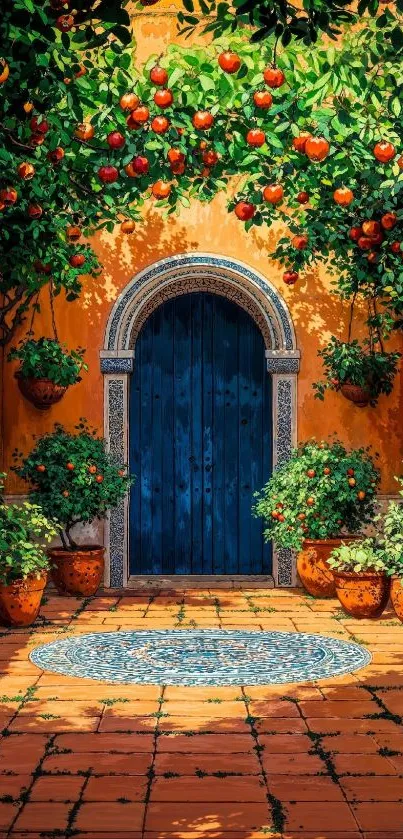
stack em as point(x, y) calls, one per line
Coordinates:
point(176, 275)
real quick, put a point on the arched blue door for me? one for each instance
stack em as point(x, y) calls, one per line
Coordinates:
point(200, 440)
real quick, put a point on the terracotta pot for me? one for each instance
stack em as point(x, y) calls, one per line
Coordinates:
point(354, 393)
point(396, 596)
point(41, 392)
point(79, 571)
point(20, 601)
point(313, 570)
point(362, 595)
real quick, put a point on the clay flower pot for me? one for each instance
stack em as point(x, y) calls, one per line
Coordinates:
point(20, 601)
point(79, 571)
point(354, 393)
point(396, 596)
point(362, 595)
point(41, 392)
point(313, 569)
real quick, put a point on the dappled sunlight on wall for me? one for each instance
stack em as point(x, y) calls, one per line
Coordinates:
point(316, 313)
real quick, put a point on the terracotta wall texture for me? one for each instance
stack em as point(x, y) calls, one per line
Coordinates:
point(316, 313)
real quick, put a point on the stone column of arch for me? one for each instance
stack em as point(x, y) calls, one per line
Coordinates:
point(183, 274)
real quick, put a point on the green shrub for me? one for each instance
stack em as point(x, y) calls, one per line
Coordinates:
point(320, 492)
point(357, 557)
point(47, 359)
point(73, 477)
point(24, 533)
point(391, 545)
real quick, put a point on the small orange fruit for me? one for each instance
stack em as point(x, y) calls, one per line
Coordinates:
point(70, 466)
point(92, 469)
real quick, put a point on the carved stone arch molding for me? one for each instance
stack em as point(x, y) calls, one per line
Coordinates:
point(171, 277)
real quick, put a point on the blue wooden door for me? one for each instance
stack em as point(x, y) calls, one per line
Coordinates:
point(200, 440)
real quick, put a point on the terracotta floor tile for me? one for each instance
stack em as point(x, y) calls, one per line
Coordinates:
point(314, 816)
point(209, 790)
point(274, 708)
point(206, 743)
point(326, 833)
point(21, 753)
point(363, 764)
point(390, 741)
point(110, 816)
point(350, 744)
point(397, 762)
point(7, 815)
point(270, 692)
point(27, 723)
point(61, 788)
point(343, 693)
point(303, 788)
point(289, 725)
point(355, 726)
point(99, 763)
point(87, 690)
point(224, 710)
point(117, 722)
point(14, 784)
point(204, 724)
point(372, 816)
point(110, 788)
point(372, 788)
point(40, 816)
point(106, 742)
point(293, 764)
point(393, 699)
point(189, 695)
point(206, 819)
point(347, 710)
point(285, 743)
point(376, 835)
point(71, 708)
point(189, 764)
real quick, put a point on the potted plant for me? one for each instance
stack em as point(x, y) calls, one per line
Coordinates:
point(24, 532)
point(362, 585)
point(391, 549)
point(47, 369)
point(75, 480)
point(358, 371)
point(317, 499)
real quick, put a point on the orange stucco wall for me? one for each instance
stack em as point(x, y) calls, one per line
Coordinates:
point(316, 313)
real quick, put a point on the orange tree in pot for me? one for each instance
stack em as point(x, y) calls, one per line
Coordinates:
point(322, 495)
point(24, 532)
point(362, 585)
point(75, 480)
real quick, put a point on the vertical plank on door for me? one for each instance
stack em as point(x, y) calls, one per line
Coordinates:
point(165, 360)
point(182, 432)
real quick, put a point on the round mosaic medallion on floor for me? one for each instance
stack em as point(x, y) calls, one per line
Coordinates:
point(201, 657)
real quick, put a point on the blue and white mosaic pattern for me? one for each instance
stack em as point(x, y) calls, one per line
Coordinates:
point(201, 657)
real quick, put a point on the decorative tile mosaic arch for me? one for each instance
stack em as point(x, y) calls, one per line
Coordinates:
point(171, 277)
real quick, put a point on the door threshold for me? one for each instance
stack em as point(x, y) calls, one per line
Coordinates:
point(179, 582)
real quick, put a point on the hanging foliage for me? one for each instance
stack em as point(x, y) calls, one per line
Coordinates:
point(314, 142)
